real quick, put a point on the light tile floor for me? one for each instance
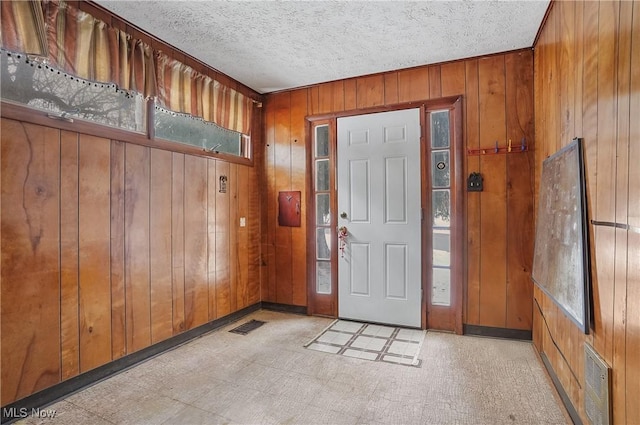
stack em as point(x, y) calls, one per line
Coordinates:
point(267, 377)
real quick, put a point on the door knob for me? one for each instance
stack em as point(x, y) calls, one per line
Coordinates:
point(343, 214)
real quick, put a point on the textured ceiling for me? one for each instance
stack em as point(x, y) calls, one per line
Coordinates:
point(276, 45)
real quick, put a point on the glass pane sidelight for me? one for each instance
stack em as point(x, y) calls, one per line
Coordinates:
point(440, 169)
point(441, 247)
point(323, 243)
point(441, 208)
point(440, 137)
point(324, 233)
point(323, 277)
point(322, 141)
point(322, 174)
point(323, 209)
point(441, 293)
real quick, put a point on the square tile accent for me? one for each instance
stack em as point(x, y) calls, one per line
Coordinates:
point(344, 326)
point(333, 337)
point(370, 342)
point(410, 335)
point(403, 348)
point(377, 330)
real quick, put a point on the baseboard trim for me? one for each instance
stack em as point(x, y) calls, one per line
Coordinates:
point(22, 408)
point(563, 394)
point(497, 332)
point(286, 308)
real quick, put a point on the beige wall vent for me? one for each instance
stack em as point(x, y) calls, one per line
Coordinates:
point(597, 375)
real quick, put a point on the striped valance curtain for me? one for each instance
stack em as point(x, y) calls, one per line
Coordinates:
point(23, 27)
point(183, 89)
point(86, 47)
point(76, 42)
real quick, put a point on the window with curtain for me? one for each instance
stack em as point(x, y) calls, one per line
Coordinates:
point(197, 110)
point(87, 55)
point(35, 84)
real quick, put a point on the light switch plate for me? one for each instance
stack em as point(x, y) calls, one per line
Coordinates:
point(243, 221)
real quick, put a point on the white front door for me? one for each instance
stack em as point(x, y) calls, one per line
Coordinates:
point(379, 204)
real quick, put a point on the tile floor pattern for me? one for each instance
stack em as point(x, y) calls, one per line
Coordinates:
point(370, 342)
point(268, 377)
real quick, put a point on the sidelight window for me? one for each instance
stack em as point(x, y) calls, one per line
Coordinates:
point(441, 207)
point(324, 233)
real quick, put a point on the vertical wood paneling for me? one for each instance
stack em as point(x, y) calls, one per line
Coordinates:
point(326, 93)
point(232, 188)
point(338, 96)
point(93, 250)
point(242, 238)
point(578, 67)
point(256, 215)
point(350, 94)
point(177, 241)
point(632, 335)
point(566, 54)
point(313, 104)
point(390, 88)
point(632, 360)
point(599, 101)
point(69, 290)
point(269, 250)
point(94, 272)
point(493, 271)
point(223, 276)
point(196, 287)
point(435, 83)
point(453, 78)
point(211, 237)
point(282, 180)
point(520, 230)
point(590, 100)
point(254, 250)
point(606, 186)
point(474, 255)
point(298, 182)
point(118, 311)
point(160, 246)
point(413, 84)
point(30, 271)
point(621, 208)
point(136, 245)
point(370, 91)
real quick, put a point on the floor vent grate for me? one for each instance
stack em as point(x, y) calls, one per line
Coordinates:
point(247, 327)
point(598, 387)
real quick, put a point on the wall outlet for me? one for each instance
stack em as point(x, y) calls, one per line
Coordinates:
point(243, 221)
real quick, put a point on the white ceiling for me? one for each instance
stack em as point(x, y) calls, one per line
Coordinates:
point(276, 45)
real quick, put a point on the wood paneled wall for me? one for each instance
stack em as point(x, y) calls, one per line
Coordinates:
point(108, 247)
point(498, 99)
point(587, 84)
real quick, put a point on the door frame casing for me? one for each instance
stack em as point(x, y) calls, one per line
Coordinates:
point(324, 305)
